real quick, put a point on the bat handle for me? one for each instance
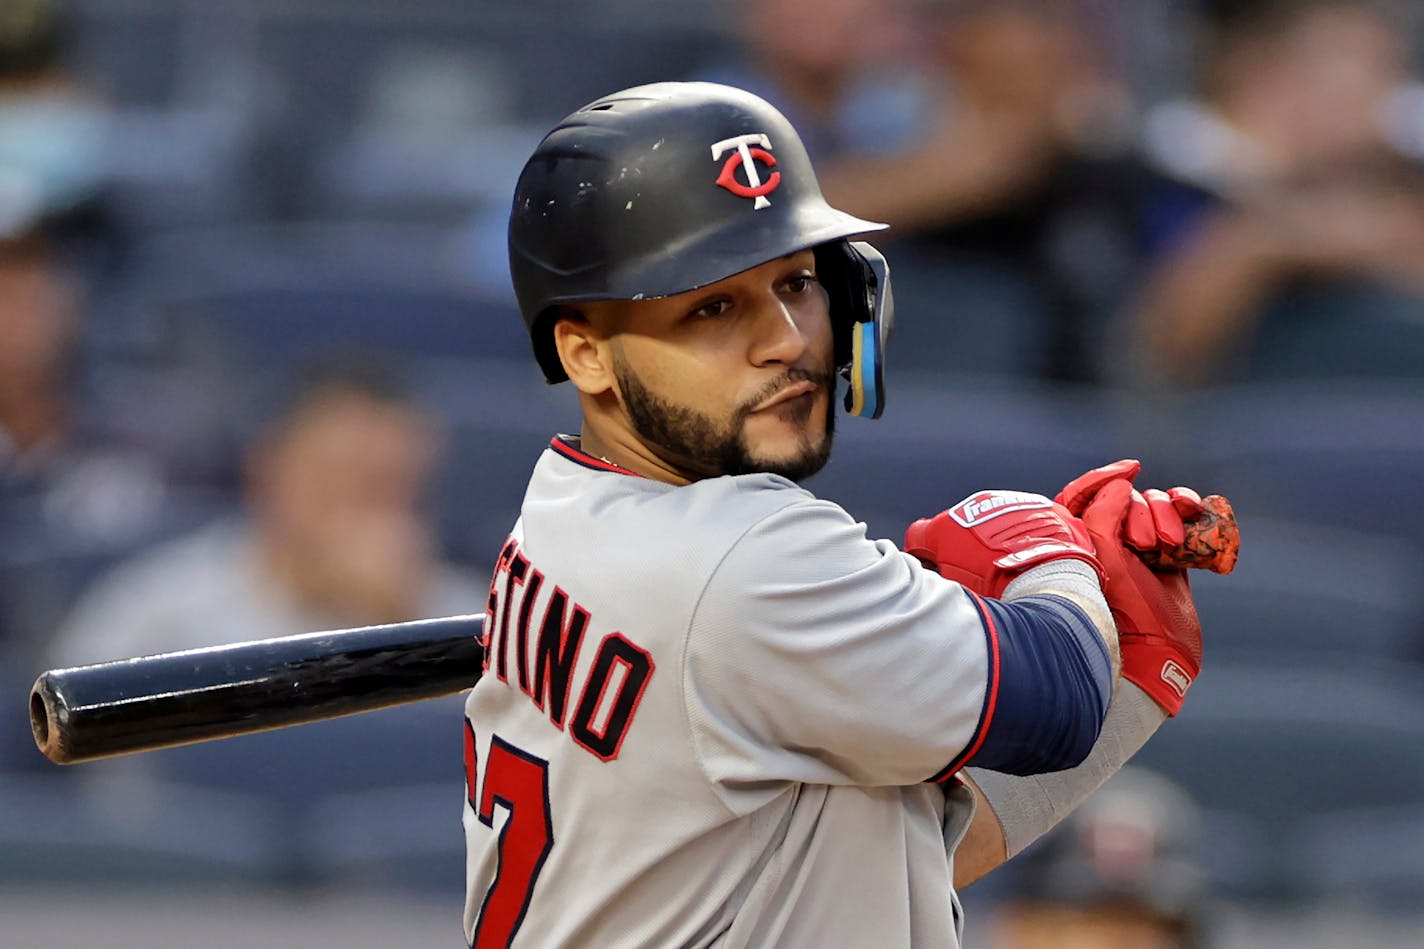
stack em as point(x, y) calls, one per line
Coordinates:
point(1212, 542)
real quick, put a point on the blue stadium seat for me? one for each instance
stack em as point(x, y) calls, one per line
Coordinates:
point(262, 297)
point(939, 441)
point(500, 419)
point(267, 326)
point(104, 824)
point(294, 772)
point(1302, 589)
point(1369, 859)
point(1343, 454)
point(1271, 745)
point(1327, 331)
point(966, 317)
point(390, 840)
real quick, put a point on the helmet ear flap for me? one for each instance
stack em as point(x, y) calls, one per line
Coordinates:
point(857, 282)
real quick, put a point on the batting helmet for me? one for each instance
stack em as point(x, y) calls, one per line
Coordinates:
point(661, 189)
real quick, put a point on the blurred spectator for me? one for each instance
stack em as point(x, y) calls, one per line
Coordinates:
point(1291, 241)
point(333, 537)
point(837, 69)
point(1022, 198)
point(54, 134)
point(56, 465)
point(1119, 872)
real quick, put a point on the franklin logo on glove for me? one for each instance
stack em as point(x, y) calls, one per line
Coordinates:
point(982, 505)
point(1177, 677)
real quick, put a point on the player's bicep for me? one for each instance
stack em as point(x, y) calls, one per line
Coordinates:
point(818, 655)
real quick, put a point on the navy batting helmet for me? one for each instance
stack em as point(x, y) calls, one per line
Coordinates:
point(665, 188)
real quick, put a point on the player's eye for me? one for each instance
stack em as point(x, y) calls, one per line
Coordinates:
point(712, 308)
point(800, 283)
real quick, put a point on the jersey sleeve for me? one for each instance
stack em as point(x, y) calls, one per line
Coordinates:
point(817, 655)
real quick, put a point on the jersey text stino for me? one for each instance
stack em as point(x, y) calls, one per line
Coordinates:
point(546, 650)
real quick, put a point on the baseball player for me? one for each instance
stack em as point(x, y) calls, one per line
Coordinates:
point(714, 712)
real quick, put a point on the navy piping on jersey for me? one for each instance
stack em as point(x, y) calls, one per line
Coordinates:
point(991, 693)
point(563, 444)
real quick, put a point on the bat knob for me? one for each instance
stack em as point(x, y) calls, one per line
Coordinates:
point(1212, 542)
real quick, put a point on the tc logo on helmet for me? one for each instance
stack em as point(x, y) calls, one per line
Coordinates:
point(747, 156)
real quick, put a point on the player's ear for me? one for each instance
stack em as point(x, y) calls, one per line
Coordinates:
point(583, 349)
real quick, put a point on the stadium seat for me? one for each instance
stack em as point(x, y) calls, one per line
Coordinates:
point(939, 441)
point(1343, 454)
point(1369, 859)
point(295, 772)
point(283, 325)
point(261, 297)
point(1316, 332)
point(106, 824)
point(966, 317)
point(401, 839)
point(1271, 745)
point(1302, 589)
point(500, 419)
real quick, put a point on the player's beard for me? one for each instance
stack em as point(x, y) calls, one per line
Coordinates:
point(697, 442)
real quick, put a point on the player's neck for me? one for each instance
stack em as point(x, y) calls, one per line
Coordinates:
point(627, 451)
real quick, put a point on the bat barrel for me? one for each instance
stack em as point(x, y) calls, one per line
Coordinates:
point(114, 708)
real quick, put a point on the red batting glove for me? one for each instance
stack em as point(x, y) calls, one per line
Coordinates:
point(1158, 629)
point(1155, 519)
point(990, 537)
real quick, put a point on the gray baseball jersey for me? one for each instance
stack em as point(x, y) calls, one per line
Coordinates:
point(715, 715)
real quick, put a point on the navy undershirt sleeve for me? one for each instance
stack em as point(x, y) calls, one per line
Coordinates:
point(1053, 690)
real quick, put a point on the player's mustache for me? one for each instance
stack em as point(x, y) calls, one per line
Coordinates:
point(823, 379)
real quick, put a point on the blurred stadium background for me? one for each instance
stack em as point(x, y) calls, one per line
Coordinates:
point(236, 187)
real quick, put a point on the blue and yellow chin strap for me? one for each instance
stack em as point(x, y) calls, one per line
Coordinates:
point(865, 396)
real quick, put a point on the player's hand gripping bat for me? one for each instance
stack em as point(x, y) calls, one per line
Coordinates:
point(179, 698)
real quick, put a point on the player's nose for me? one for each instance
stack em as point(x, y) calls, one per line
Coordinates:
point(779, 337)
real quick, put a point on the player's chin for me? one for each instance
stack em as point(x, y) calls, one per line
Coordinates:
point(794, 452)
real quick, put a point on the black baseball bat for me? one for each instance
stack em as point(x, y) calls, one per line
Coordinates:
point(178, 698)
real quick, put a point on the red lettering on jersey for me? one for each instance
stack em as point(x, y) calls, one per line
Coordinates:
point(608, 698)
point(489, 638)
point(513, 576)
point(472, 762)
point(531, 591)
point(615, 654)
point(556, 653)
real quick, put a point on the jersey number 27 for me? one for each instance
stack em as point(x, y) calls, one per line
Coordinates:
point(518, 782)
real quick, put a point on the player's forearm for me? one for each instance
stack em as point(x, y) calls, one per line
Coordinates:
point(1027, 806)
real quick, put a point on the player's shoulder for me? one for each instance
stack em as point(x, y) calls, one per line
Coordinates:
point(750, 496)
point(749, 510)
point(575, 504)
point(782, 528)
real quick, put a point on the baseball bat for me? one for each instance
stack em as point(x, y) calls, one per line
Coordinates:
point(179, 698)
